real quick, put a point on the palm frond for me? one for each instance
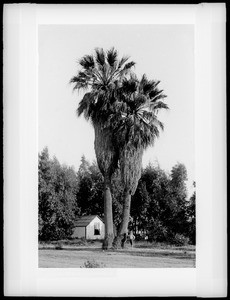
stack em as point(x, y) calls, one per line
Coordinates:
point(129, 86)
point(73, 79)
point(85, 105)
point(157, 123)
point(87, 62)
point(154, 92)
point(139, 125)
point(122, 61)
point(140, 100)
point(100, 56)
point(81, 80)
point(81, 85)
point(129, 65)
point(156, 83)
point(148, 87)
point(112, 57)
point(143, 81)
point(157, 97)
point(158, 105)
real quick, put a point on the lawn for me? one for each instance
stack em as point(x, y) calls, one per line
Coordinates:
point(142, 255)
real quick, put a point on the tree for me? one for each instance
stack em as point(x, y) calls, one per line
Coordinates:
point(101, 75)
point(90, 189)
point(191, 213)
point(177, 221)
point(136, 127)
point(161, 206)
point(96, 206)
point(57, 198)
point(44, 190)
point(139, 207)
point(84, 166)
point(85, 183)
point(156, 183)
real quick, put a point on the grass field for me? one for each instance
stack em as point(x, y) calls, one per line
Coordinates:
point(142, 255)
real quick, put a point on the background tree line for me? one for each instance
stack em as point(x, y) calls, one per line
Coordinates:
point(160, 207)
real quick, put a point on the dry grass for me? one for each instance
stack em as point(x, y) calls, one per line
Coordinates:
point(142, 255)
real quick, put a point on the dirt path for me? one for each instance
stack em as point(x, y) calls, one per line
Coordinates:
point(71, 257)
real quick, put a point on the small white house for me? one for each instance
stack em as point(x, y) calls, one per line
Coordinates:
point(90, 227)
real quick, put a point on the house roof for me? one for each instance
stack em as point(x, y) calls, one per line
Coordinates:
point(85, 220)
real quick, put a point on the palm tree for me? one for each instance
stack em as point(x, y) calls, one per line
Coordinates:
point(136, 125)
point(101, 76)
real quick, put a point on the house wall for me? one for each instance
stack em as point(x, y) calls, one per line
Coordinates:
point(78, 232)
point(90, 229)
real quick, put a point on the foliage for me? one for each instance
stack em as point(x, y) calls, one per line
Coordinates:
point(160, 206)
point(177, 219)
point(90, 189)
point(140, 205)
point(59, 246)
point(40, 225)
point(191, 214)
point(180, 240)
point(92, 264)
point(101, 75)
point(135, 125)
point(157, 231)
point(57, 198)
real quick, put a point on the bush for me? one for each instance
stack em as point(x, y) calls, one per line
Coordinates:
point(92, 264)
point(180, 240)
point(83, 241)
point(157, 231)
point(139, 237)
point(59, 246)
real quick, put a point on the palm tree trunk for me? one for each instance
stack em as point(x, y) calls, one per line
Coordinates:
point(121, 237)
point(108, 215)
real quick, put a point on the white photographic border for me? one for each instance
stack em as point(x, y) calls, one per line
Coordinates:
point(22, 277)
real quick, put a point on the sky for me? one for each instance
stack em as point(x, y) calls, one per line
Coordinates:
point(162, 52)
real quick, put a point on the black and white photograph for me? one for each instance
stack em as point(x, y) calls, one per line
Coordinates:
point(115, 150)
point(116, 140)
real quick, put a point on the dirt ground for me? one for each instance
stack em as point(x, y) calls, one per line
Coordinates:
point(140, 256)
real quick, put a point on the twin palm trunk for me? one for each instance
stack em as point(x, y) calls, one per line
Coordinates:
point(108, 214)
point(107, 162)
point(130, 161)
point(110, 240)
point(120, 239)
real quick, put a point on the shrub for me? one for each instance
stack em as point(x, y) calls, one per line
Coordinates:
point(83, 241)
point(180, 240)
point(139, 237)
point(92, 264)
point(157, 231)
point(59, 246)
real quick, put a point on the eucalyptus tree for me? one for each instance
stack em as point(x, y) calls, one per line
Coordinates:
point(100, 77)
point(136, 126)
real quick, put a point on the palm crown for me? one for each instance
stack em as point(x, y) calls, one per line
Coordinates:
point(101, 74)
point(135, 121)
point(135, 124)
